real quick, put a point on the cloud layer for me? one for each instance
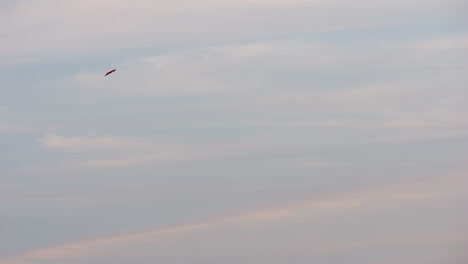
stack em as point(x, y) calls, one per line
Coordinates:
point(252, 131)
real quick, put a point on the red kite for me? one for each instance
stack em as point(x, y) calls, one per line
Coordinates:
point(109, 72)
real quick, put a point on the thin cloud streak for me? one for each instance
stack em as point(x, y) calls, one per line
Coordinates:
point(91, 142)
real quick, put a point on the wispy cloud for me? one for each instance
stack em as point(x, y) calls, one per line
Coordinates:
point(363, 200)
point(146, 22)
point(74, 143)
point(304, 128)
point(116, 152)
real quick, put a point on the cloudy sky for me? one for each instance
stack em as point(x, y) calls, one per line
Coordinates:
point(233, 131)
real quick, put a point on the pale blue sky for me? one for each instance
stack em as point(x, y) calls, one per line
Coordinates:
point(248, 131)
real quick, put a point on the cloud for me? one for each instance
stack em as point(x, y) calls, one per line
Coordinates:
point(11, 123)
point(119, 152)
point(345, 203)
point(300, 75)
point(132, 160)
point(457, 43)
point(74, 30)
point(265, 87)
point(91, 142)
point(220, 115)
point(115, 152)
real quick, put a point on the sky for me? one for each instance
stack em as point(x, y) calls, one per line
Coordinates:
point(233, 131)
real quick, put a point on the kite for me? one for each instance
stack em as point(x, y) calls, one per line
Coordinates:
point(109, 72)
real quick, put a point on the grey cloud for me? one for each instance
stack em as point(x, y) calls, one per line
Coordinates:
point(106, 27)
point(318, 127)
point(328, 237)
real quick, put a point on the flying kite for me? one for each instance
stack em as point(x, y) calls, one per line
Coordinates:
point(109, 72)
